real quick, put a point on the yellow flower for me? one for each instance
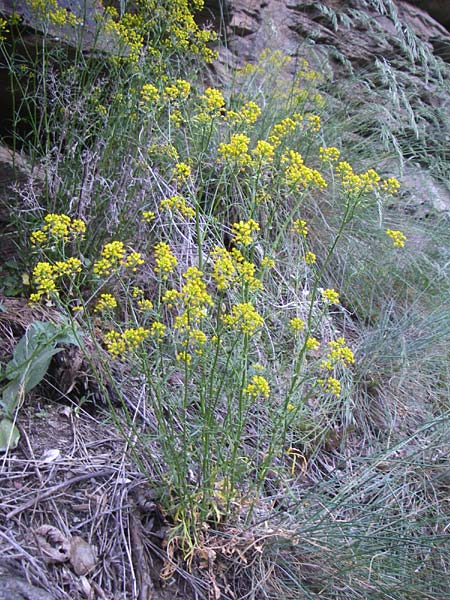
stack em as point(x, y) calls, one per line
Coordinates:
point(105, 302)
point(281, 130)
point(149, 93)
point(237, 150)
point(330, 296)
point(297, 174)
point(118, 344)
point(312, 343)
point(310, 258)
point(58, 226)
point(267, 262)
point(297, 324)
point(38, 238)
point(397, 237)
point(249, 113)
point(338, 354)
point(391, 185)
point(157, 330)
point(243, 232)
point(331, 385)
point(257, 387)
point(177, 203)
point(213, 101)
point(112, 254)
point(300, 227)
point(314, 122)
point(263, 152)
point(144, 304)
point(133, 260)
point(330, 154)
point(184, 357)
point(179, 91)
point(181, 172)
point(244, 318)
point(165, 259)
point(148, 216)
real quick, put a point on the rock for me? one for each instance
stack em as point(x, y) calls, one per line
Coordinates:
point(355, 29)
point(429, 195)
point(13, 586)
point(438, 9)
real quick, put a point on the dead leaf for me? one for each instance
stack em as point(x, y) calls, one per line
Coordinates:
point(53, 544)
point(50, 455)
point(82, 556)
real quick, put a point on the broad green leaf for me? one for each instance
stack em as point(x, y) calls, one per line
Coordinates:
point(9, 435)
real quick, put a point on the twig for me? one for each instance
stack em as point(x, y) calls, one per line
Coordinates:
point(49, 493)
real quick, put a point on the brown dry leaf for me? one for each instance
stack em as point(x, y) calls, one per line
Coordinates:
point(82, 556)
point(50, 455)
point(53, 544)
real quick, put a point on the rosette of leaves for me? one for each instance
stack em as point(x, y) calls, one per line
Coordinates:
point(29, 363)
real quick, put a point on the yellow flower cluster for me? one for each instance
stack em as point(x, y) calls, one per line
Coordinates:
point(184, 357)
point(58, 227)
point(329, 154)
point(331, 385)
point(297, 174)
point(313, 122)
point(193, 300)
point(3, 29)
point(297, 324)
point(148, 216)
point(391, 185)
point(181, 172)
point(338, 354)
point(299, 226)
point(157, 330)
point(212, 104)
point(330, 296)
point(62, 16)
point(114, 256)
point(249, 113)
point(105, 302)
point(119, 344)
point(243, 232)
point(194, 294)
point(149, 93)
point(177, 204)
point(143, 303)
point(312, 344)
point(178, 91)
point(397, 237)
point(354, 183)
point(165, 259)
point(128, 31)
point(258, 387)
point(268, 263)
point(236, 151)
point(310, 258)
point(231, 267)
point(46, 274)
point(244, 318)
point(281, 130)
point(263, 152)
point(49, 9)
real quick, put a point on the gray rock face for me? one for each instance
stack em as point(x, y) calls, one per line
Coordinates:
point(14, 587)
point(438, 9)
point(285, 24)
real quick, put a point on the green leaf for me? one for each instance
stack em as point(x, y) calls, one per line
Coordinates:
point(9, 435)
